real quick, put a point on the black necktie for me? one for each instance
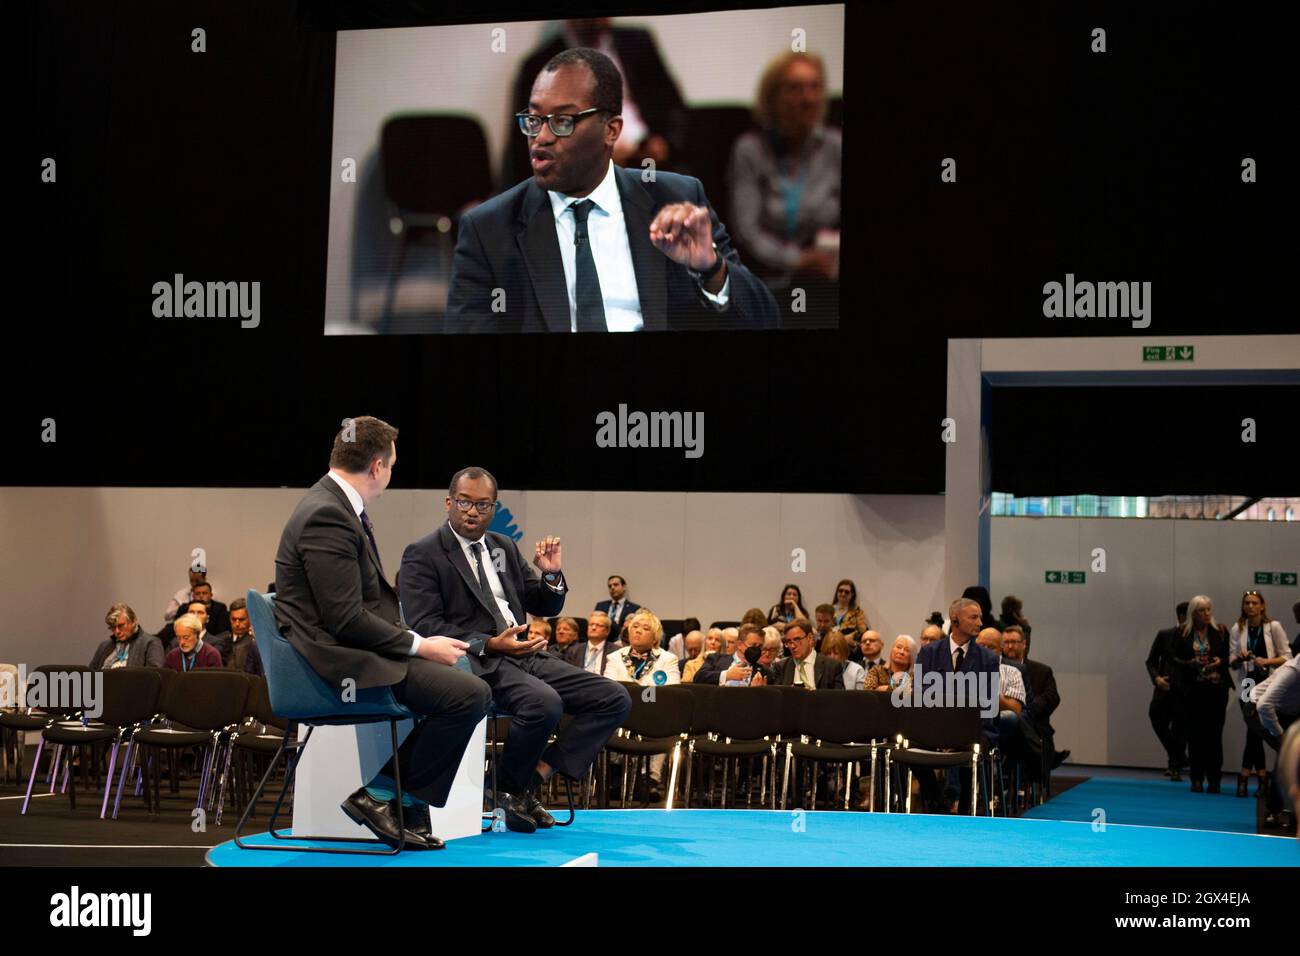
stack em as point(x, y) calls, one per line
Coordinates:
point(958, 658)
point(485, 590)
point(370, 533)
point(590, 303)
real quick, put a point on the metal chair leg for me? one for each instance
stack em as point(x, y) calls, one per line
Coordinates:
point(36, 762)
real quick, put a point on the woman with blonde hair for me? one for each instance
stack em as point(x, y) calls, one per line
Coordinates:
point(902, 657)
point(1200, 679)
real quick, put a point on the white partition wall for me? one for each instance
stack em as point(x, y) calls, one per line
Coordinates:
point(1096, 635)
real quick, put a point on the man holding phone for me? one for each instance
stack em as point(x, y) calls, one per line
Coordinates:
point(464, 581)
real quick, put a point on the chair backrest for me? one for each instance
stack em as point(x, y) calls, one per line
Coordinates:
point(723, 625)
point(933, 727)
point(415, 182)
point(671, 626)
point(131, 695)
point(792, 701)
point(702, 693)
point(206, 699)
point(667, 714)
point(60, 690)
point(298, 692)
point(258, 705)
point(843, 717)
point(743, 713)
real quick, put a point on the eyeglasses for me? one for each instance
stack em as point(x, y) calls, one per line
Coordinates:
point(561, 124)
point(482, 507)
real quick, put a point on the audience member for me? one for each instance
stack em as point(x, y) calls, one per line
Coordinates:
point(694, 650)
point(836, 646)
point(823, 624)
point(1041, 686)
point(804, 667)
point(1200, 678)
point(871, 650)
point(190, 651)
point(931, 633)
point(713, 643)
point(593, 653)
point(754, 616)
point(846, 617)
point(789, 607)
point(253, 661)
point(731, 638)
point(128, 644)
point(773, 647)
point(539, 629)
point(1165, 711)
point(566, 635)
point(677, 643)
point(241, 636)
point(618, 607)
point(643, 657)
point(1013, 612)
point(1257, 645)
point(785, 178)
point(898, 670)
point(183, 597)
point(1012, 699)
point(731, 669)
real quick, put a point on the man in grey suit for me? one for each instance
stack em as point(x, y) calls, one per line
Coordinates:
point(592, 653)
point(335, 606)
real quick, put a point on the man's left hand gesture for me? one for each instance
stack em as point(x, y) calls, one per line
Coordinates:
point(547, 557)
point(684, 233)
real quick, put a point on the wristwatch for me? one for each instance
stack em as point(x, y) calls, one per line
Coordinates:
point(551, 577)
point(708, 274)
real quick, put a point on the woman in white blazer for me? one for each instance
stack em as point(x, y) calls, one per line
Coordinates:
point(643, 659)
point(1256, 645)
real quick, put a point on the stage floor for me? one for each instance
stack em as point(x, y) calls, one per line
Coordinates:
point(669, 838)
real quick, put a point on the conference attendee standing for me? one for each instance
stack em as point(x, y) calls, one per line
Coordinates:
point(585, 246)
point(128, 644)
point(618, 608)
point(1200, 659)
point(1257, 646)
point(466, 581)
point(1166, 708)
point(334, 605)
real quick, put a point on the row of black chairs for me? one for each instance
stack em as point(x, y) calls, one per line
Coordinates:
point(155, 714)
point(227, 715)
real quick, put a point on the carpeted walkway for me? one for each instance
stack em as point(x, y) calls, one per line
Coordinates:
point(1154, 802)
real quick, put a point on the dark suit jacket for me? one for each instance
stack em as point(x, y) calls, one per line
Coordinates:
point(656, 95)
point(629, 608)
point(510, 243)
point(577, 653)
point(218, 623)
point(145, 651)
point(1041, 680)
point(331, 601)
point(1160, 658)
point(440, 592)
point(1185, 667)
point(934, 657)
point(828, 673)
point(712, 669)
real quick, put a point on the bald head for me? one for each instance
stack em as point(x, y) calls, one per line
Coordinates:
point(990, 638)
point(932, 633)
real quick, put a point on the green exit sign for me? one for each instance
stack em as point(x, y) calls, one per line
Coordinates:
point(1283, 578)
point(1064, 577)
point(1168, 353)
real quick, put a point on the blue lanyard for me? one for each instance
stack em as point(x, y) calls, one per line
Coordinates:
point(187, 660)
point(791, 191)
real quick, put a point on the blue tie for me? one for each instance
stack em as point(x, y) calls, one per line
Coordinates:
point(590, 302)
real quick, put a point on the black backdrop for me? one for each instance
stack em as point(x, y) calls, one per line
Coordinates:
point(1115, 166)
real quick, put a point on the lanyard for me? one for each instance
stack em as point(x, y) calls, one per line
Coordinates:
point(187, 660)
point(640, 667)
point(791, 189)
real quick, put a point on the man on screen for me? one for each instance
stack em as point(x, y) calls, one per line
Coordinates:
point(584, 246)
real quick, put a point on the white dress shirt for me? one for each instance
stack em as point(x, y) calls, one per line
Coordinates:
point(354, 499)
point(952, 650)
point(593, 661)
point(810, 664)
point(612, 253)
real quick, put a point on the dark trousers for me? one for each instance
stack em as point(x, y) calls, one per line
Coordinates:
point(1166, 721)
point(451, 703)
point(1252, 755)
point(538, 690)
point(1205, 708)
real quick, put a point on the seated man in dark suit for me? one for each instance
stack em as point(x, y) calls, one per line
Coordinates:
point(584, 246)
point(593, 653)
point(731, 669)
point(334, 605)
point(959, 654)
point(468, 582)
point(804, 666)
point(1040, 683)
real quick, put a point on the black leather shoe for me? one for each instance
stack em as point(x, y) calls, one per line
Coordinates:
point(1241, 785)
point(1059, 758)
point(538, 812)
point(379, 818)
point(417, 822)
point(1196, 787)
point(518, 818)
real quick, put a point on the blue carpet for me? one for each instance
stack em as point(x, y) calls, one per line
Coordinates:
point(1151, 803)
point(774, 838)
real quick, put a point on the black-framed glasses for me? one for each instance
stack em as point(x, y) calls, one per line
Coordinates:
point(482, 507)
point(562, 124)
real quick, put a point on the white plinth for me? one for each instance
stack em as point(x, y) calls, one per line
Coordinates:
point(340, 759)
